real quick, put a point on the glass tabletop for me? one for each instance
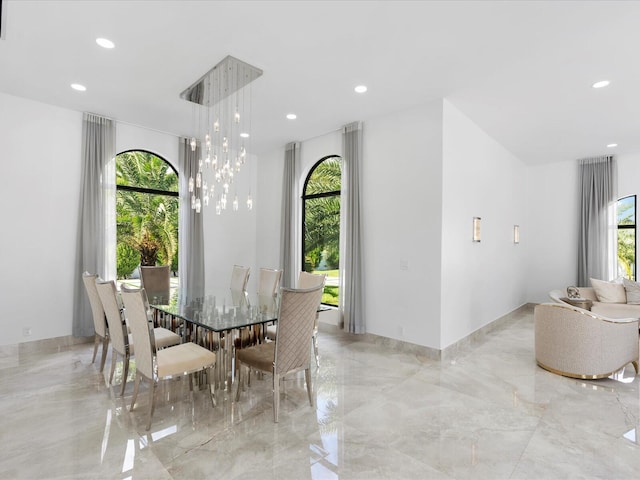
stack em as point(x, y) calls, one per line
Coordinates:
point(224, 310)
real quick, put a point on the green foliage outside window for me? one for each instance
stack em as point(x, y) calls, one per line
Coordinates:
point(147, 223)
point(627, 237)
point(322, 223)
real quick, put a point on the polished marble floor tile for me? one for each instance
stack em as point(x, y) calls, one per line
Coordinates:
point(488, 413)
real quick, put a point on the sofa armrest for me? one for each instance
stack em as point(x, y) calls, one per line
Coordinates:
point(595, 315)
point(555, 295)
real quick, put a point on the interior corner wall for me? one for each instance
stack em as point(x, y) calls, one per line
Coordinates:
point(40, 148)
point(402, 216)
point(480, 281)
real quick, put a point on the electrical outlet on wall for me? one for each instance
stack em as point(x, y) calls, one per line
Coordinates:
point(26, 331)
point(404, 264)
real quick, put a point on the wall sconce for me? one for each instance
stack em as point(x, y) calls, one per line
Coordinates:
point(476, 229)
point(516, 234)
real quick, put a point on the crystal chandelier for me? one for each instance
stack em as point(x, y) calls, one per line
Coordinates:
point(222, 105)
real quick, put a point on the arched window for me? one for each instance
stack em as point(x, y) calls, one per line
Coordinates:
point(147, 202)
point(321, 224)
point(627, 237)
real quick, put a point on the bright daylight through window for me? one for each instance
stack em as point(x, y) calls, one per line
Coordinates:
point(321, 224)
point(627, 237)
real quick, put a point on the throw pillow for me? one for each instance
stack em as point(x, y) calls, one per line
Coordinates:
point(609, 292)
point(633, 291)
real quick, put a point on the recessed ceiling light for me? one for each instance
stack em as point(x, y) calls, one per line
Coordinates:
point(611, 145)
point(361, 89)
point(105, 43)
point(78, 87)
point(244, 135)
point(291, 116)
point(601, 84)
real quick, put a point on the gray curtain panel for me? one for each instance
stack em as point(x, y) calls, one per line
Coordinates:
point(191, 232)
point(597, 245)
point(98, 148)
point(287, 231)
point(352, 293)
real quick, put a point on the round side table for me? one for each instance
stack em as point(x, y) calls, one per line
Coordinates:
point(583, 303)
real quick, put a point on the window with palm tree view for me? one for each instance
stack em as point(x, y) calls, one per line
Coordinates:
point(321, 224)
point(147, 204)
point(627, 237)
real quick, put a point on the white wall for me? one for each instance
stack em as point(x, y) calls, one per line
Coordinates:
point(131, 137)
point(480, 281)
point(40, 148)
point(629, 175)
point(402, 205)
point(230, 238)
point(268, 209)
point(553, 212)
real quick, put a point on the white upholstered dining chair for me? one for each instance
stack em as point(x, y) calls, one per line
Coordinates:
point(156, 282)
point(122, 344)
point(268, 282)
point(99, 319)
point(305, 280)
point(290, 352)
point(154, 365)
point(239, 278)
point(117, 329)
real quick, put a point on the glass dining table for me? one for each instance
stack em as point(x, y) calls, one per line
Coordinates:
point(220, 321)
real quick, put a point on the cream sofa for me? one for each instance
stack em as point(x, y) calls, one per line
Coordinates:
point(576, 343)
point(611, 310)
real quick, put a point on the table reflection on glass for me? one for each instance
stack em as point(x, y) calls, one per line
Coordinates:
point(220, 321)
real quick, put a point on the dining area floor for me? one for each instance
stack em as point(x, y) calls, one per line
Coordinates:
point(489, 413)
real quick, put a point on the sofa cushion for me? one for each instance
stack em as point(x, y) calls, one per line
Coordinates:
point(588, 293)
point(609, 292)
point(632, 290)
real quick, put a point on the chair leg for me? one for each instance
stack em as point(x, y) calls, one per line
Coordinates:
point(276, 396)
point(136, 386)
point(152, 390)
point(238, 380)
point(315, 349)
point(114, 358)
point(212, 389)
point(105, 349)
point(307, 378)
point(125, 373)
point(95, 347)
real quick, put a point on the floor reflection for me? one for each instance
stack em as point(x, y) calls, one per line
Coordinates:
point(379, 414)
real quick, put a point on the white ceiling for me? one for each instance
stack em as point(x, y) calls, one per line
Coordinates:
point(522, 70)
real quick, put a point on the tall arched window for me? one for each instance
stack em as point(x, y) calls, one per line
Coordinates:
point(147, 203)
point(627, 237)
point(321, 224)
